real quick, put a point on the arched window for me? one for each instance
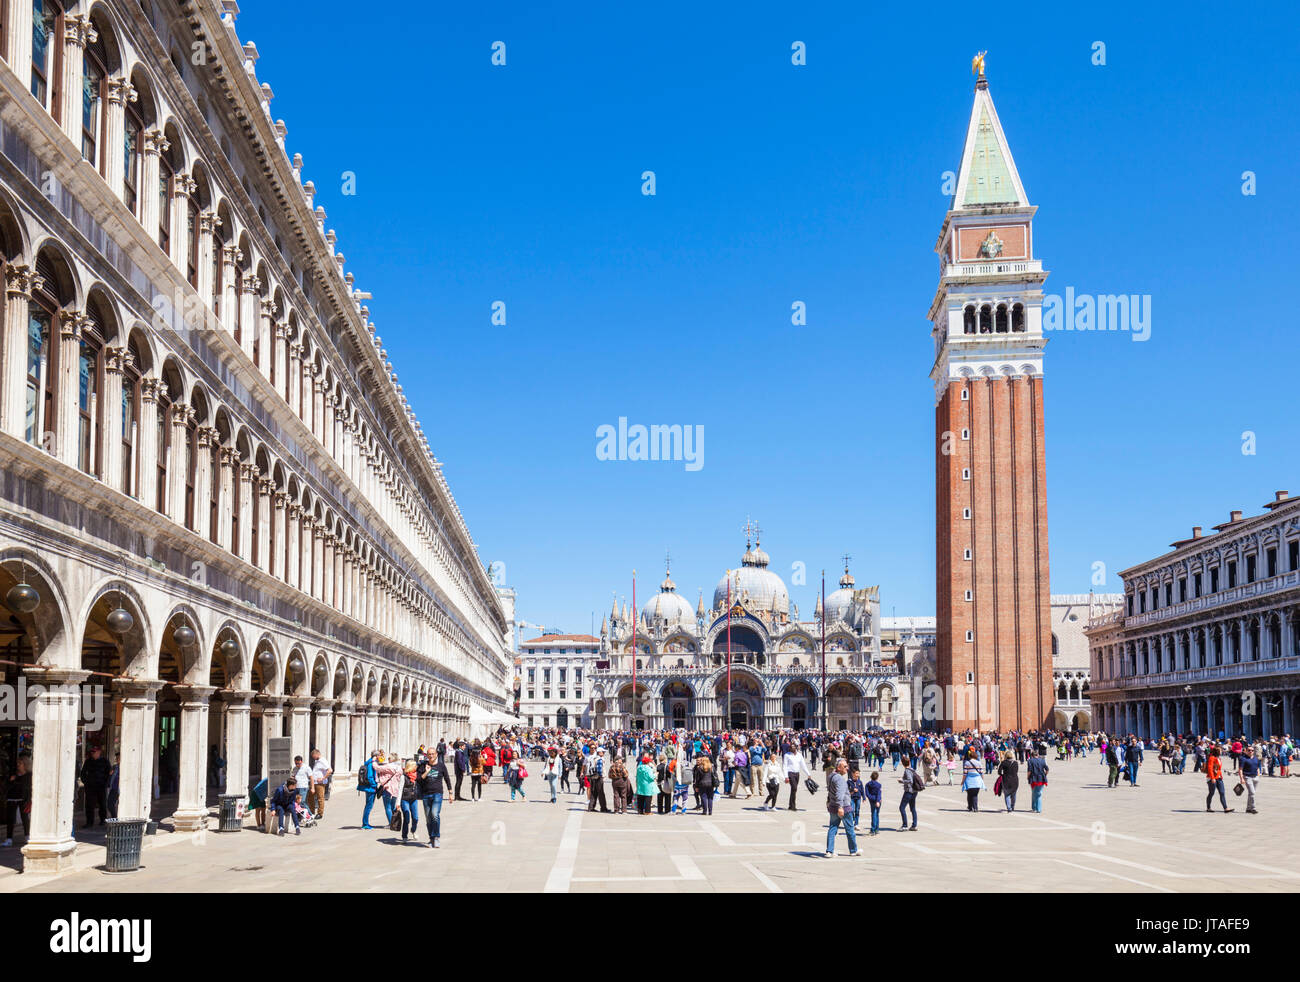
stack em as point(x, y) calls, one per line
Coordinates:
point(90, 372)
point(1001, 318)
point(40, 351)
point(163, 441)
point(47, 23)
point(968, 319)
point(1018, 317)
point(1056, 644)
point(986, 319)
point(191, 460)
point(192, 230)
point(94, 84)
point(131, 383)
point(133, 151)
point(166, 175)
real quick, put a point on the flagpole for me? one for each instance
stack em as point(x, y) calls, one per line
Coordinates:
point(633, 726)
point(727, 722)
point(823, 651)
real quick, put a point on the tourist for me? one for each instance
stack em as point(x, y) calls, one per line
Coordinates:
point(95, 773)
point(771, 780)
point(409, 795)
point(460, 761)
point(972, 782)
point(321, 772)
point(740, 761)
point(18, 799)
point(515, 774)
point(912, 785)
point(795, 768)
point(1037, 779)
point(706, 784)
point(368, 784)
point(284, 802)
point(646, 785)
point(488, 759)
point(1132, 760)
point(681, 780)
point(555, 768)
point(1111, 758)
point(663, 784)
point(389, 776)
point(433, 784)
point(620, 783)
point(839, 803)
point(1008, 780)
point(1249, 770)
point(1214, 780)
point(596, 779)
point(476, 771)
point(856, 793)
point(302, 777)
point(874, 793)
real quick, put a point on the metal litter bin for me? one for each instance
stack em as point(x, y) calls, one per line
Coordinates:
point(125, 838)
point(230, 817)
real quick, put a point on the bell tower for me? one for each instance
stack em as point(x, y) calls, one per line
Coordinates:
point(994, 656)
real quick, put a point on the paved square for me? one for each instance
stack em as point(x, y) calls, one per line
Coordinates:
point(1153, 838)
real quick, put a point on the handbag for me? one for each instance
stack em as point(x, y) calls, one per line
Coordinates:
point(523, 772)
point(1238, 788)
point(396, 824)
point(812, 786)
point(997, 786)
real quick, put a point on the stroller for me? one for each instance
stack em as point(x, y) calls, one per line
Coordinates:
point(306, 819)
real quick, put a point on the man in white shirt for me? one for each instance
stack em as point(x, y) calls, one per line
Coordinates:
point(320, 779)
point(302, 775)
point(795, 767)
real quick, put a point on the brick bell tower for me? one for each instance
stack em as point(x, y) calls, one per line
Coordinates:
point(994, 656)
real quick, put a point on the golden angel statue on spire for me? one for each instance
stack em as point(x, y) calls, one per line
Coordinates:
point(977, 64)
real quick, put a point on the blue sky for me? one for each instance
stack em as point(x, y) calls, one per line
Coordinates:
point(776, 183)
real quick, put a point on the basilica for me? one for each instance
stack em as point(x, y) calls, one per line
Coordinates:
point(774, 676)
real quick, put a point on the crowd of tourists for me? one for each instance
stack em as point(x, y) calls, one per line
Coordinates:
point(675, 772)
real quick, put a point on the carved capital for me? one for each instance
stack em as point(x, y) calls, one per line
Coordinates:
point(154, 142)
point(118, 360)
point(22, 281)
point(73, 323)
point(232, 255)
point(121, 91)
point(207, 437)
point(183, 186)
point(269, 309)
point(208, 222)
point(151, 390)
point(252, 283)
point(79, 30)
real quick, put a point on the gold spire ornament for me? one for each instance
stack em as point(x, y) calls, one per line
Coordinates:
point(977, 64)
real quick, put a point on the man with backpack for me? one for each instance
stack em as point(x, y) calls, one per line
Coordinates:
point(596, 775)
point(913, 784)
point(368, 784)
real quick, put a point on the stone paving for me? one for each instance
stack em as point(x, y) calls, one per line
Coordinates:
point(1150, 839)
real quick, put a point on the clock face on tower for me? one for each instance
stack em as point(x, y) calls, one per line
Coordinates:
point(991, 247)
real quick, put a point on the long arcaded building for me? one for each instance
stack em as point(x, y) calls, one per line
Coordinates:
point(219, 519)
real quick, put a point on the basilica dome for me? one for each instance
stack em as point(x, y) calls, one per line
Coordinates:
point(840, 603)
point(764, 590)
point(668, 607)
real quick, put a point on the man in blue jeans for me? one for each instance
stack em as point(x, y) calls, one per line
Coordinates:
point(432, 782)
point(369, 786)
point(839, 805)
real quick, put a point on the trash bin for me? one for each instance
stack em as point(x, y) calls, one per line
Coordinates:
point(125, 837)
point(229, 818)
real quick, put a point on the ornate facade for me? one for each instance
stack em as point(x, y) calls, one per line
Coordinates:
point(681, 659)
point(218, 511)
point(1207, 639)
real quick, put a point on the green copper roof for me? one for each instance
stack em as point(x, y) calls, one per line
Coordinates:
point(989, 181)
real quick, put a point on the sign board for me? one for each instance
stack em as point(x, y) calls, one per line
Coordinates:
point(279, 763)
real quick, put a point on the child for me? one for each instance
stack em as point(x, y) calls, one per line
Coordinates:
point(951, 766)
point(856, 792)
point(873, 791)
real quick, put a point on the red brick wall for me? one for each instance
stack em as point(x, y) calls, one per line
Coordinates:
point(1008, 570)
point(1014, 241)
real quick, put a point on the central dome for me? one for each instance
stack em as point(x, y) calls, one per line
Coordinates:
point(754, 582)
point(668, 607)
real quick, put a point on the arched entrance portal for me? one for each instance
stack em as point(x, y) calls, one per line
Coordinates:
point(562, 718)
point(742, 706)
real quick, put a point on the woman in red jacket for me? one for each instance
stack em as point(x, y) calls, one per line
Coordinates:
point(1214, 780)
point(489, 761)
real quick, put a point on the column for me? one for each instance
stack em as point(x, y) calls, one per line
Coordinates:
point(204, 441)
point(192, 807)
point(155, 145)
point(280, 502)
point(51, 846)
point(318, 422)
point(300, 727)
point(120, 92)
point(266, 346)
point(227, 495)
point(250, 321)
point(318, 560)
point(370, 739)
point(293, 380)
point(247, 474)
point(265, 516)
point(230, 260)
point(67, 418)
point(20, 281)
point(324, 734)
point(116, 361)
point(18, 41)
point(292, 555)
point(139, 741)
point(237, 710)
point(208, 225)
point(279, 342)
point(181, 415)
point(327, 573)
point(342, 760)
point(77, 32)
point(182, 187)
point(272, 726)
point(146, 442)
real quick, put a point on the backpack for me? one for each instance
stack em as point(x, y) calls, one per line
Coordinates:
point(363, 777)
point(918, 782)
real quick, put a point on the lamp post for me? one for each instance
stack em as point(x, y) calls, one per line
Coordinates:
point(823, 651)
